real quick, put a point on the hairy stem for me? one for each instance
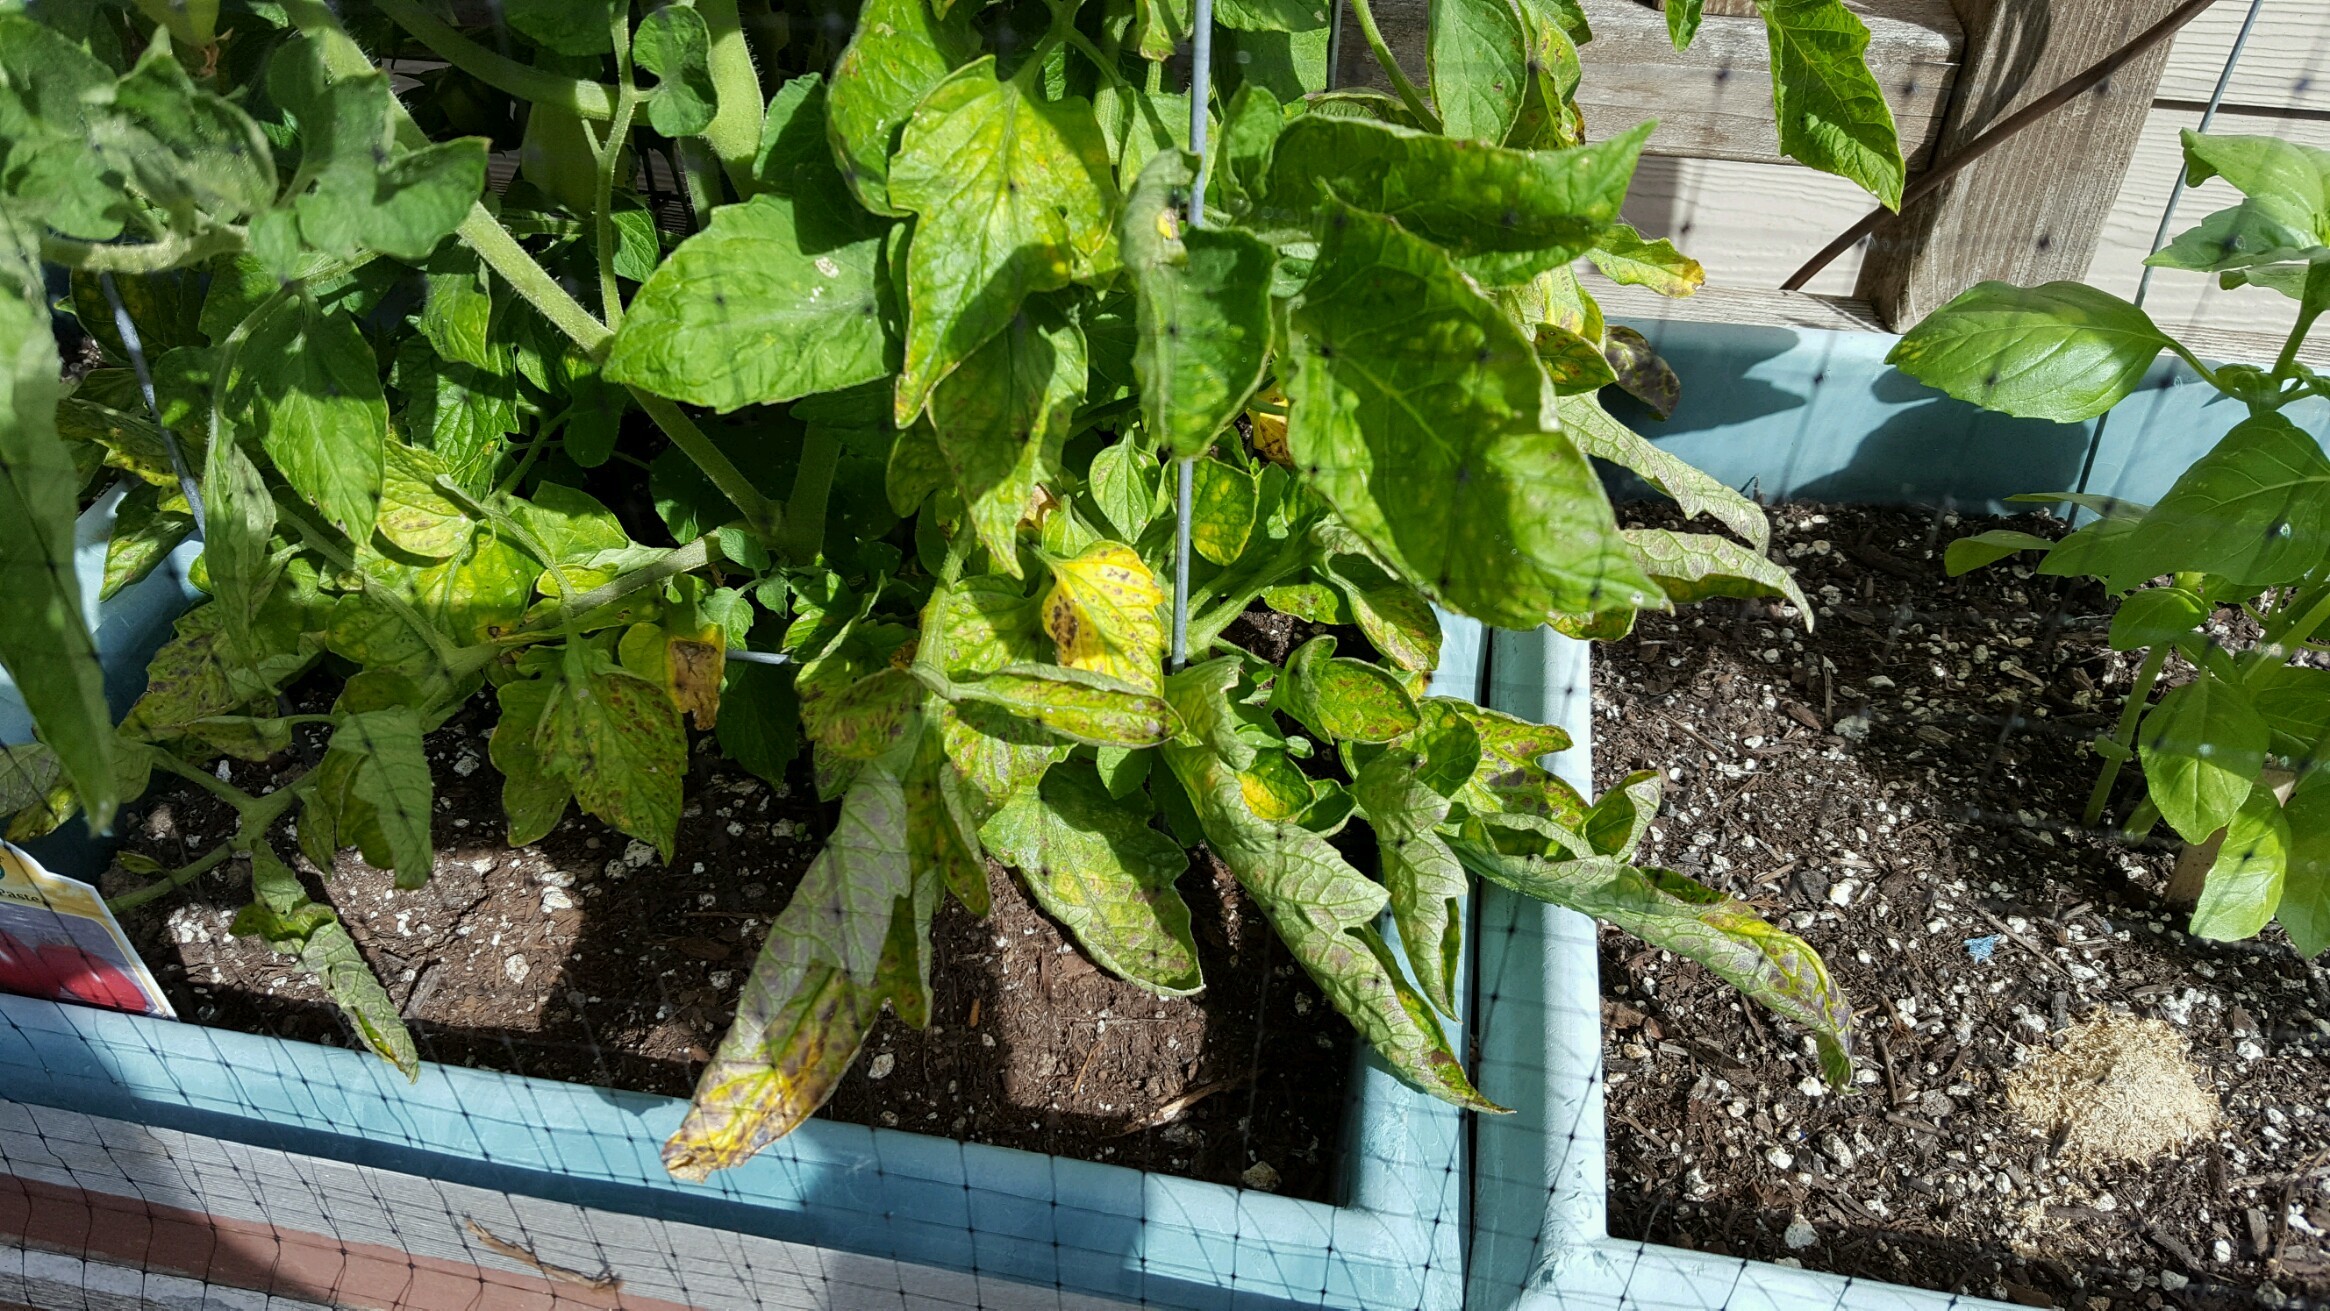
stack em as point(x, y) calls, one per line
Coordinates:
point(2139, 696)
point(610, 159)
point(506, 257)
point(759, 512)
point(681, 560)
point(1408, 93)
point(736, 117)
point(141, 257)
point(593, 100)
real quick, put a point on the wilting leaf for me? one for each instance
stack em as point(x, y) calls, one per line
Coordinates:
point(1626, 257)
point(814, 990)
point(1670, 911)
point(1695, 566)
point(1604, 438)
point(1097, 867)
point(1616, 824)
point(1426, 881)
point(282, 916)
point(1832, 115)
point(1323, 909)
point(1418, 411)
point(533, 797)
point(1088, 707)
point(144, 534)
point(1640, 372)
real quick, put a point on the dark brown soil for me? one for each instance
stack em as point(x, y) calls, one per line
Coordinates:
point(1903, 788)
point(585, 958)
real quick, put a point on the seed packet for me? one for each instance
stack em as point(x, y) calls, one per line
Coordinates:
point(58, 942)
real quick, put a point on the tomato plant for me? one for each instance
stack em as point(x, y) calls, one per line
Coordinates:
point(2248, 525)
point(962, 294)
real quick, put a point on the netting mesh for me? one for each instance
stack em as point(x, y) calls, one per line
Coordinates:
point(253, 1155)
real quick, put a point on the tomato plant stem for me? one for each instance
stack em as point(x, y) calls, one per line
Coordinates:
point(736, 117)
point(1408, 93)
point(593, 100)
point(171, 881)
point(812, 489)
point(143, 256)
point(2125, 735)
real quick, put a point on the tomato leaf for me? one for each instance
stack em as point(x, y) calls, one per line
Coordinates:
point(1419, 412)
point(1102, 614)
point(1340, 699)
point(1426, 881)
point(1099, 868)
point(618, 742)
point(1204, 298)
point(675, 44)
point(45, 643)
point(282, 916)
point(307, 387)
point(1013, 194)
point(751, 312)
point(1002, 416)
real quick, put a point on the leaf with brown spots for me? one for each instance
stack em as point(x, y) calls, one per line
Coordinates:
point(1102, 614)
point(618, 742)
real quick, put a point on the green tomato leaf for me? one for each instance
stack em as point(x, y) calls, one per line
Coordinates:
point(235, 549)
point(1672, 912)
point(45, 643)
point(2064, 351)
point(1013, 193)
point(393, 778)
point(1159, 26)
point(1002, 417)
point(2202, 747)
point(1575, 364)
point(282, 916)
point(533, 796)
point(1616, 824)
point(815, 989)
point(618, 742)
point(307, 387)
point(191, 152)
point(566, 27)
point(1504, 214)
point(1418, 411)
point(748, 313)
point(1426, 881)
point(1605, 438)
point(1477, 61)
point(1967, 554)
point(1204, 297)
point(1097, 867)
point(1124, 485)
point(898, 53)
point(2255, 510)
point(1341, 699)
point(1832, 114)
point(49, 119)
point(675, 44)
point(2244, 886)
point(1695, 566)
point(1200, 695)
point(1683, 17)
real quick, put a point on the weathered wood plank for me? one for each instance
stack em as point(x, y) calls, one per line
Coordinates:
point(2286, 65)
point(2033, 210)
point(1714, 100)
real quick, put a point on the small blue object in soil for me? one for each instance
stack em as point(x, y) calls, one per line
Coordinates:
point(1980, 948)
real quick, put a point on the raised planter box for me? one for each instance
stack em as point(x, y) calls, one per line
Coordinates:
point(1792, 414)
point(1510, 1215)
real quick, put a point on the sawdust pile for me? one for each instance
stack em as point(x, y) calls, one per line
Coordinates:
point(2119, 1089)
